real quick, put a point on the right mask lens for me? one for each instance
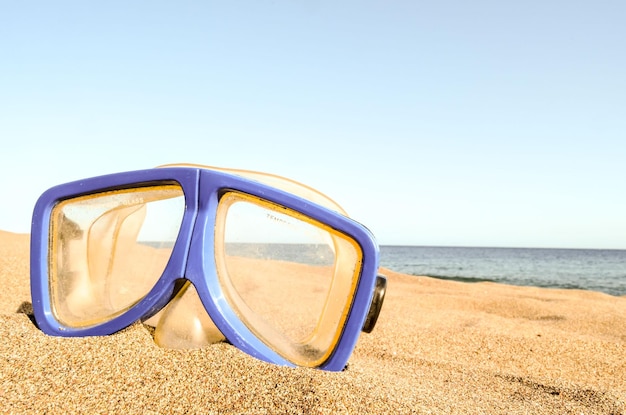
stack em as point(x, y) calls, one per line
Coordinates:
point(289, 278)
point(109, 249)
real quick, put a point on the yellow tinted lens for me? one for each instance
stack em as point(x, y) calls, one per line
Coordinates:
point(289, 278)
point(109, 249)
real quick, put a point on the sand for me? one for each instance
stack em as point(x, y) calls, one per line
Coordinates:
point(439, 347)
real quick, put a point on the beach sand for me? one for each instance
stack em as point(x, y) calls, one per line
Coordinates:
point(439, 347)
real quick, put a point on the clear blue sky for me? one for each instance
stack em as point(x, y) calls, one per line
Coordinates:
point(482, 123)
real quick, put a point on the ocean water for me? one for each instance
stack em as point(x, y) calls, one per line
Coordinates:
point(589, 269)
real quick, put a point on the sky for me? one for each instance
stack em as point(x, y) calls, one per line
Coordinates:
point(453, 123)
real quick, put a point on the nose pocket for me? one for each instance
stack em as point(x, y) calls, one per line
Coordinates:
point(185, 324)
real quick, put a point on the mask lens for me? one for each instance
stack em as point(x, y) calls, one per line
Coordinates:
point(109, 249)
point(289, 278)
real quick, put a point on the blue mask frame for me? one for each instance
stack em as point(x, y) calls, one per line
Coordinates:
point(192, 258)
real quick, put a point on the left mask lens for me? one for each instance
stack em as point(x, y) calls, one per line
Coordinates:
point(108, 250)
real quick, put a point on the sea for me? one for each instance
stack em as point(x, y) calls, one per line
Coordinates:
point(588, 269)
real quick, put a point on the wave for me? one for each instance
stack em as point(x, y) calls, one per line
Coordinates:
point(458, 278)
point(542, 284)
